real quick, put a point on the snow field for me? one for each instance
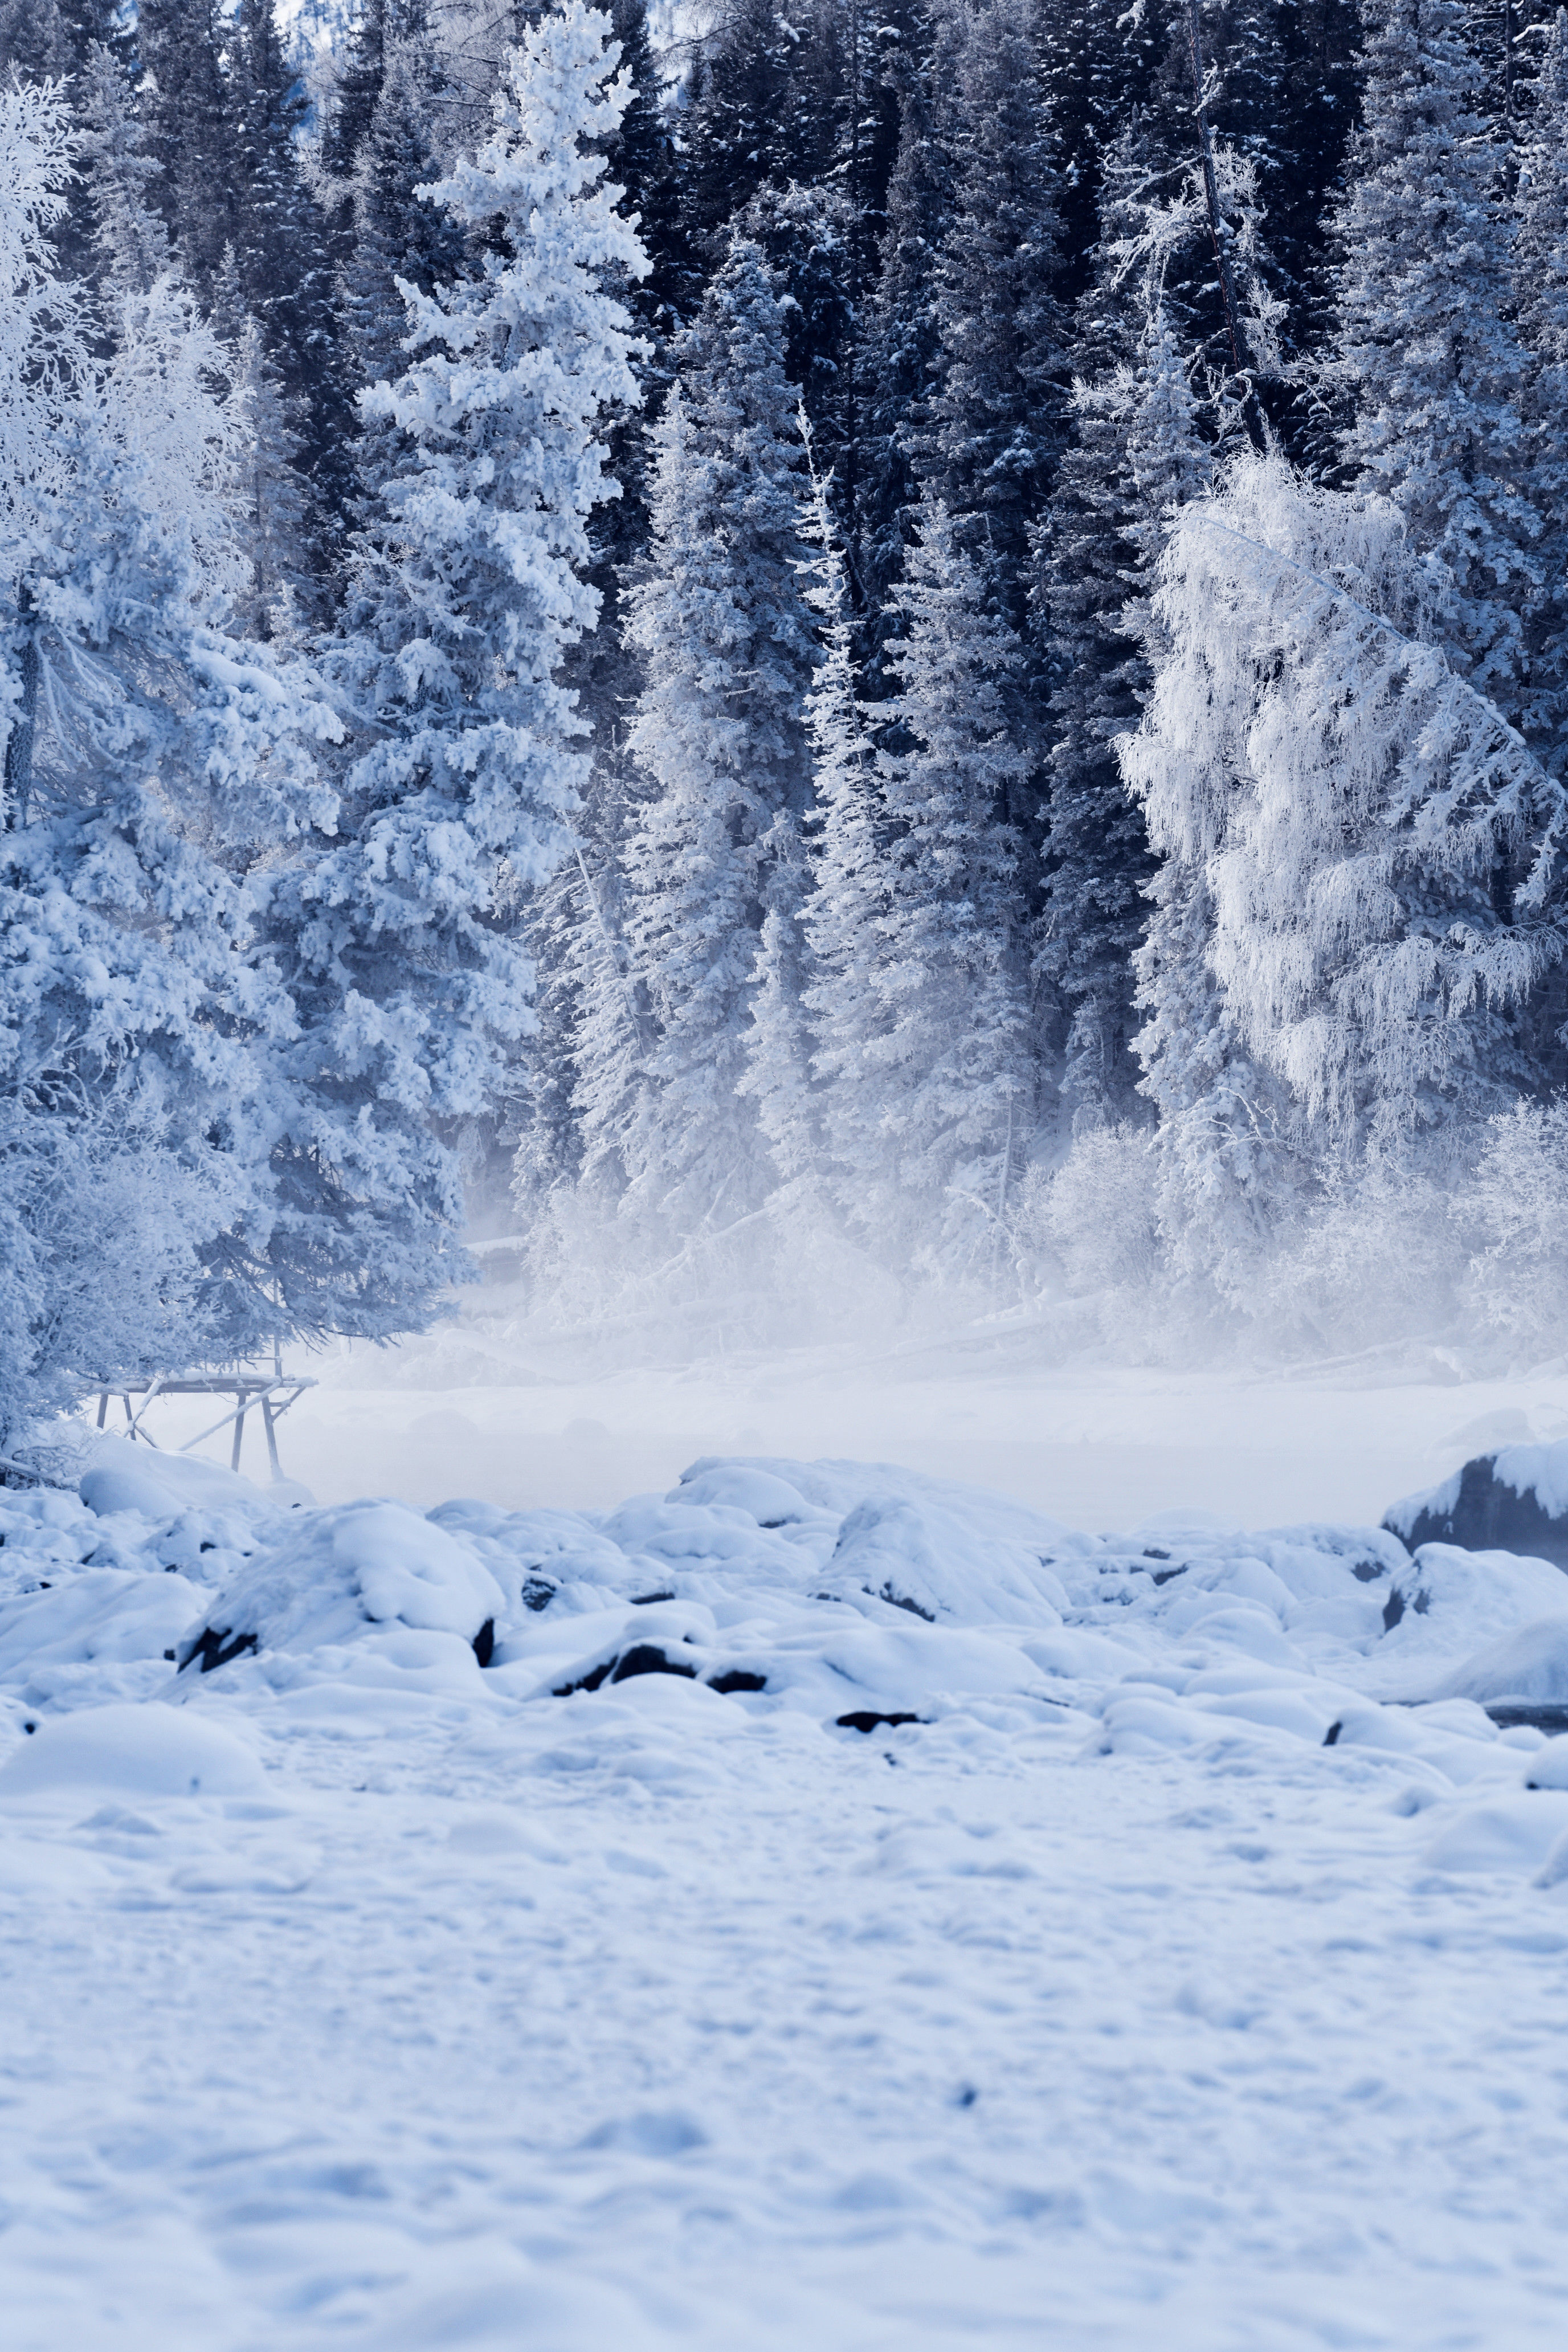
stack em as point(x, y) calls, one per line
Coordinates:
point(1189, 1972)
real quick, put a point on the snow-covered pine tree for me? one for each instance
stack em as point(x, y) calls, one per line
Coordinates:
point(1137, 455)
point(928, 1097)
point(394, 237)
point(55, 40)
point(127, 238)
point(843, 908)
point(1330, 963)
point(1425, 347)
point(282, 254)
point(188, 108)
point(1540, 278)
point(901, 358)
point(150, 759)
point(585, 1074)
point(728, 652)
point(998, 414)
point(399, 940)
point(269, 494)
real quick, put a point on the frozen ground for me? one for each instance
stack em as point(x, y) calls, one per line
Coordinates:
point(1189, 1973)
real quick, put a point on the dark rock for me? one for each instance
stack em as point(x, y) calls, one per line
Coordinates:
point(901, 1600)
point(1491, 1506)
point(647, 1658)
point(862, 1719)
point(588, 1682)
point(215, 1648)
point(736, 1678)
point(485, 1642)
point(643, 1658)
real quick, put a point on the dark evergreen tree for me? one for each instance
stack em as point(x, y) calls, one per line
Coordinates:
point(997, 420)
point(808, 235)
point(739, 127)
point(393, 234)
point(193, 133)
point(356, 85)
point(998, 416)
point(902, 344)
point(284, 265)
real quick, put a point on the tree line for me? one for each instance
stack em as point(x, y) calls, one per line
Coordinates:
point(931, 640)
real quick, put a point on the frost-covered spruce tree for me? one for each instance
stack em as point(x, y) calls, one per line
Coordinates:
point(997, 415)
point(927, 1100)
point(394, 237)
point(1541, 277)
point(1137, 455)
point(152, 759)
point(903, 352)
point(1426, 349)
point(189, 108)
point(847, 896)
point(129, 245)
point(399, 941)
point(728, 653)
point(1329, 966)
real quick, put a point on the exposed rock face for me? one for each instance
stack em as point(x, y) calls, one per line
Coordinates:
point(1515, 1501)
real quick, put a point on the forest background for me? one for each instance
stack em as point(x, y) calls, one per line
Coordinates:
point(899, 664)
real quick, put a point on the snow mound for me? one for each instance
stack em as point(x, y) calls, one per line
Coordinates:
point(1445, 1602)
point(122, 1476)
point(1528, 1667)
point(926, 1560)
point(338, 1571)
point(127, 1750)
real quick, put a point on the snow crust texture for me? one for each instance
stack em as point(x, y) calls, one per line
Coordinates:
point(822, 1904)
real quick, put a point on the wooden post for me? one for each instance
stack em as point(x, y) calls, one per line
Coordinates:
point(238, 1432)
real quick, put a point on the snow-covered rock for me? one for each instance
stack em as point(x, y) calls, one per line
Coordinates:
point(339, 1571)
point(1513, 1500)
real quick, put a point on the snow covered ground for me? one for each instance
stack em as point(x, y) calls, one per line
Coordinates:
point(1188, 1973)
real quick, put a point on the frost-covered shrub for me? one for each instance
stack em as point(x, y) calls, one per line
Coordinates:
point(1519, 1197)
point(1373, 1259)
point(1101, 1211)
point(1089, 1227)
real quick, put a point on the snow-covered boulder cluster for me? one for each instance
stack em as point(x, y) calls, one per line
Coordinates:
point(859, 1595)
